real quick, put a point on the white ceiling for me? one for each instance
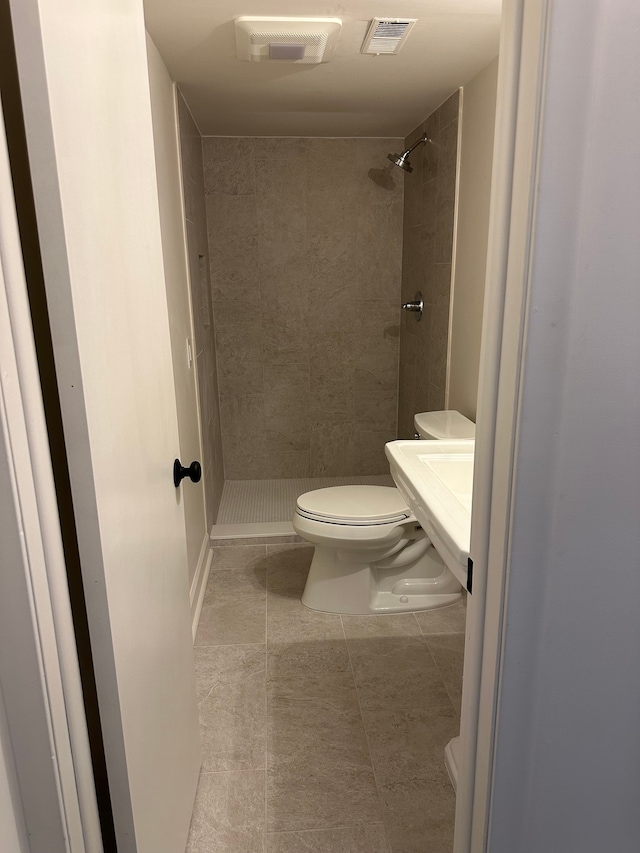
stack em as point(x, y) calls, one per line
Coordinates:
point(351, 95)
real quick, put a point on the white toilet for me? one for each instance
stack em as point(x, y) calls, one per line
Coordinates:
point(371, 555)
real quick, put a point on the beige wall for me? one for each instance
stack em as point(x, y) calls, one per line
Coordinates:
point(476, 152)
point(204, 343)
point(429, 205)
point(305, 239)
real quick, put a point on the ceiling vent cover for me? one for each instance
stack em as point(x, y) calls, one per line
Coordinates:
point(387, 35)
point(303, 41)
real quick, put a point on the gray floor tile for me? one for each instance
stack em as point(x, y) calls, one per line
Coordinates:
point(232, 705)
point(287, 568)
point(391, 625)
point(319, 770)
point(444, 620)
point(419, 816)
point(396, 672)
point(228, 816)
point(278, 548)
point(288, 621)
point(409, 745)
point(295, 660)
point(234, 607)
point(292, 707)
point(336, 689)
point(351, 839)
point(238, 557)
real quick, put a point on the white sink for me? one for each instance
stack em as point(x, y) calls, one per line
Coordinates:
point(436, 480)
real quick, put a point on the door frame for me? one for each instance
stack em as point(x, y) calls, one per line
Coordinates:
point(523, 42)
point(51, 785)
point(558, 337)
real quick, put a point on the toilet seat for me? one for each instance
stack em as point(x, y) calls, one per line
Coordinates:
point(354, 506)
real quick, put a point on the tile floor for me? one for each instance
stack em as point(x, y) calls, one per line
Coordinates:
point(261, 501)
point(321, 733)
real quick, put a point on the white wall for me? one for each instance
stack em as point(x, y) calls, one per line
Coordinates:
point(476, 152)
point(165, 134)
point(566, 767)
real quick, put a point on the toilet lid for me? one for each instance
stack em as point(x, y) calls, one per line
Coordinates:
point(354, 505)
point(444, 425)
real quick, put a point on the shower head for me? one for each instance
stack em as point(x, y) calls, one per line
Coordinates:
point(402, 160)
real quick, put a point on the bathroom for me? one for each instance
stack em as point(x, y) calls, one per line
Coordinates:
point(304, 241)
point(301, 250)
point(312, 736)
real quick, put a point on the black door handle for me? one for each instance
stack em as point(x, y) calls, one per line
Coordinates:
point(193, 472)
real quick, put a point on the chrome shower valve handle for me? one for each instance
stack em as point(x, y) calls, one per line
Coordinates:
point(416, 306)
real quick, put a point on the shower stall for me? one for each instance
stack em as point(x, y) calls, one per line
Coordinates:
point(298, 276)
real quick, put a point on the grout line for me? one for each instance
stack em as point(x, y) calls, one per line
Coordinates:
point(442, 679)
point(325, 828)
point(415, 619)
point(222, 772)
point(366, 734)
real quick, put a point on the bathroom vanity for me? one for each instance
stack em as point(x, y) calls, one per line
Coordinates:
point(436, 480)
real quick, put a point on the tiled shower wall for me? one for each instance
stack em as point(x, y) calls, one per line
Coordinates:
point(305, 245)
point(204, 343)
point(429, 200)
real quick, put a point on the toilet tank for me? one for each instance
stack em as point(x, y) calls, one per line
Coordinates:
point(443, 425)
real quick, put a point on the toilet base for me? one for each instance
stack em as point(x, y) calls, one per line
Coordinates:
point(337, 585)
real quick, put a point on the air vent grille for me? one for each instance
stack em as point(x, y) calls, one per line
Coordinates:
point(293, 40)
point(387, 35)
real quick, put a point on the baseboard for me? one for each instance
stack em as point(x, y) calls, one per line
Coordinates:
point(251, 530)
point(199, 584)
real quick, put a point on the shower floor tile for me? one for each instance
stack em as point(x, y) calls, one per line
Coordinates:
point(261, 501)
point(305, 748)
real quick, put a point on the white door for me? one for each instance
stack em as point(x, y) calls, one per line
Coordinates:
point(85, 90)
